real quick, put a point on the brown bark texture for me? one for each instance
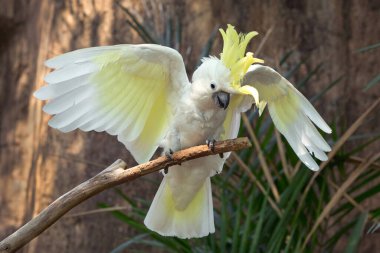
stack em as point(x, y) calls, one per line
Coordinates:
point(38, 164)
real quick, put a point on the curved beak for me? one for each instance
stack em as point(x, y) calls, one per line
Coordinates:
point(221, 99)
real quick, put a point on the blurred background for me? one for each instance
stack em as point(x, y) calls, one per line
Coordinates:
point(329, 49)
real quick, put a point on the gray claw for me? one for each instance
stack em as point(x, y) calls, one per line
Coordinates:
point(169, 154)
point(211, 144)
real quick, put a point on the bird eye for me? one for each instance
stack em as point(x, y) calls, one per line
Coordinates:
point(212, 85)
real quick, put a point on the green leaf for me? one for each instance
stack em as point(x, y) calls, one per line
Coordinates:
point(178, 34)
point(247, 226)
point(257, 233)
point(333, 240)
point(168, 32)
point(137, 26)
point(285, 57)
point(309, 75)
point(366, 144)
point(293, 70)
point(326, 89)
point(372, 83)
point(287, 201)
point(224, 223)
point(353, 241)
point(236, 231)
point(368, 48)
point(128, 243)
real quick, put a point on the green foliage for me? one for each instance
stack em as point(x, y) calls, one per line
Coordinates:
point(311, 213)
point(368, 48)
point(354, 239)
point(376, 79)
point(372, 83)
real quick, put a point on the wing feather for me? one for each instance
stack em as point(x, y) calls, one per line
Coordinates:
point(310, 111)
point(71, 114)
point(139, 119)
point(58, 89)
point(125, 90)
point(291, 113)
point(129, 113)
point(155, 122)
point(79, 56)
point(69, 99)
point(69, 72)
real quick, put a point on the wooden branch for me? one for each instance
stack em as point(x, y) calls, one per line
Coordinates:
point(115, 174)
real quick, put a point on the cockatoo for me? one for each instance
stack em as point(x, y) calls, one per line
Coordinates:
point(141, 94)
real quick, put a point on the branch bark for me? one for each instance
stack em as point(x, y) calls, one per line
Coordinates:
point(115, 174)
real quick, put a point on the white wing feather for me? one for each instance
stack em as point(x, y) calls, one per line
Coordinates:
point(125, 90)
point(291, 112)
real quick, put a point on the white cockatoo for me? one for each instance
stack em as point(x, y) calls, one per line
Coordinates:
point(142, 94)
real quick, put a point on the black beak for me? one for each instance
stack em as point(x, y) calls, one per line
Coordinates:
point(221, 99)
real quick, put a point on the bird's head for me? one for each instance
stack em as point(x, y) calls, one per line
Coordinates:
point(211, 83)
point(216, 79)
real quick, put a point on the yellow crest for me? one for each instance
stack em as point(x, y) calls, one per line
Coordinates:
point(232, 56)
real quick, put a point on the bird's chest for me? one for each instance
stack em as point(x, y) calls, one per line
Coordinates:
point(196, 126)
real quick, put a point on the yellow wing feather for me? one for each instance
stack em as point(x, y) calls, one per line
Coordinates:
point(125, 90)
point(291, 113)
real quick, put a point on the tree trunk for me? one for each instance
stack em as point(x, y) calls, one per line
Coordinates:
point(38, 164)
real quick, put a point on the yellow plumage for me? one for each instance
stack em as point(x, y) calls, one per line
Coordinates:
point(232, 56)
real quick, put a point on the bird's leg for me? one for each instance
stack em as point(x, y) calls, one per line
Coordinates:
point(211, 144)
point(171, 142)
point(169, 155)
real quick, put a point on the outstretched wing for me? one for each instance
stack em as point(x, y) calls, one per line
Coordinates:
point(291, 113)
point(125, 90)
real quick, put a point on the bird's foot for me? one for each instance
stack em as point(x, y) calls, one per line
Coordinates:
point(211, 144)
point(169, 154)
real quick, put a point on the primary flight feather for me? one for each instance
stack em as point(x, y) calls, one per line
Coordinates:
point(142, 94)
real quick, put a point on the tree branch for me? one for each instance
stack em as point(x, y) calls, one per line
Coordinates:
point(115, 174)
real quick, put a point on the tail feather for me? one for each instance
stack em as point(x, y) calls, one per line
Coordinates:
point(196, 220)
